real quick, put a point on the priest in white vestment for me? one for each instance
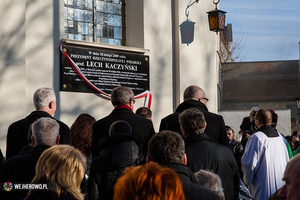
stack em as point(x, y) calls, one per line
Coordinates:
point(265, 158)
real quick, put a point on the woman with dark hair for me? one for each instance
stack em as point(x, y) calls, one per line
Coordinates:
point(81, 131)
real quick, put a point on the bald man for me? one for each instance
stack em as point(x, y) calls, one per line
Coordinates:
point(195, 97)
point(265, 158)
point(291, 176)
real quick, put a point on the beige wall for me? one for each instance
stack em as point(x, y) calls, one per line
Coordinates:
point(29, 58)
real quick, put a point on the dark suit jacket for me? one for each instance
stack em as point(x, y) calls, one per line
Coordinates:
point(191, 190)
point(142, 128)
point(17, 133)
point(203, 153)
point(20, 169)
point(215, 123)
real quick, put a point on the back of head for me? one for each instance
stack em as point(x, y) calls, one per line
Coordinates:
point(42, 97)
point(193, 92)
point(210, 181)
point(166, 147)
point(121, 96)
point(82, 130)
point(192, 121)
point(293, 165)
point(45, 131)
point(253, 110)
point(148, 182)
point(264, 116)
point(62, 167)
point(274, 118)
point(295, 133)
point(144, 112)
point(120, 127)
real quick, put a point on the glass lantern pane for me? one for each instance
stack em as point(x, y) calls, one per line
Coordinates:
point(221, 21)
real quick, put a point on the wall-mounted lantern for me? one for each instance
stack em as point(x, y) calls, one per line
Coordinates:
point(216, 19)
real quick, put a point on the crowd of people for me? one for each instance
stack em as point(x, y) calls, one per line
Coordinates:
point(193, 156)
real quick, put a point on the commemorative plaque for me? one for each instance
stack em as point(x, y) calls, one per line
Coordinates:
point(94, 70)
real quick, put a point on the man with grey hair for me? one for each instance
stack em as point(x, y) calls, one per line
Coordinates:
point(203, 153)
point(210, 181)
point(44, 101)
point(122, 98)
point(21, 168)
point(195, 97)
point(167, 149)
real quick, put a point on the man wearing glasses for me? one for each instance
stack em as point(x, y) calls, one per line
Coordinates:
point(194, 97)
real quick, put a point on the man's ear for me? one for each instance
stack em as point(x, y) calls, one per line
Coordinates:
point(57, 139)
point(205, 124)
point(50, 105)
point(183, 132)
point(184, 160)
point(131, 104)
point(32, 141)
point(148, 159)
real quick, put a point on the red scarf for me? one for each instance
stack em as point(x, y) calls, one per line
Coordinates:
point(123, 106)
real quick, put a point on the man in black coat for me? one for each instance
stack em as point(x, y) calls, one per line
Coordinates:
point(21, 168)
point(236, 147)
point(44, 101)
point(122, 98)
point(167, 149)
point(194, 97)
point(203, 153)
point(118, 152)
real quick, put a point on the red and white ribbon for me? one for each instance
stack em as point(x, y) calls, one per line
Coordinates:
point(146, 94)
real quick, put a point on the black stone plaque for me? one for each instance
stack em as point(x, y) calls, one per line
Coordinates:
point(90, 70)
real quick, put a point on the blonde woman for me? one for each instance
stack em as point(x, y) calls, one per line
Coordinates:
point(62, 168)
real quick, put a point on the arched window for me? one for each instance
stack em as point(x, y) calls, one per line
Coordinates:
point(101, 21)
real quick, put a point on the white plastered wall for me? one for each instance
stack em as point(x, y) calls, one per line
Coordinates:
point(29, 58)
